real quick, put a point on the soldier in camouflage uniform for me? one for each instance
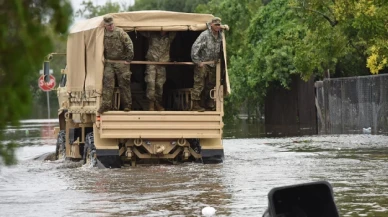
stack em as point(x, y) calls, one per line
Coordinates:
point(207, 47)
point(158, 51)
point(117, 47)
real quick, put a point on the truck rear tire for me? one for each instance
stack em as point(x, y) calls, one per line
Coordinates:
point(89, 150)
point(106, 161)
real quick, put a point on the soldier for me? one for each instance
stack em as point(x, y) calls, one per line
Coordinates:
point(207, 47)
point(118, 52)
point(158, 51)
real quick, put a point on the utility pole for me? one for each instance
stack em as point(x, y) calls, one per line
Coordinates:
point(48, 104)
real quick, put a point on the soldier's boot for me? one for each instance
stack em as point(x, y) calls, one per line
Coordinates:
point(210, 105)
point(127, 109)
point(103, 109)
point(151, 106)
point(158, 107)
point(196, 106)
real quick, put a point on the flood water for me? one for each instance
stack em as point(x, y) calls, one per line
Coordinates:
point(356, 166)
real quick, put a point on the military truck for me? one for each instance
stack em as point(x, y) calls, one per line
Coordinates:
point(117, 138)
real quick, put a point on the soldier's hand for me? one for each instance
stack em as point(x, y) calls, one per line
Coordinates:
point(126, 63)
point(200, 64)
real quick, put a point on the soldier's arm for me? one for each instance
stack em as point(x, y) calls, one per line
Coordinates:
point(127, 42)
point(197, 47)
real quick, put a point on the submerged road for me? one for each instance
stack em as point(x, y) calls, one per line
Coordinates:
point(356, 166)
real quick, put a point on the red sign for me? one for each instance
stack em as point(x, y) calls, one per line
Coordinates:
point(46, 86)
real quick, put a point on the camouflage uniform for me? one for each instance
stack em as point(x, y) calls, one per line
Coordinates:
point(117, 46)
point(207, 47)
point(158, 51)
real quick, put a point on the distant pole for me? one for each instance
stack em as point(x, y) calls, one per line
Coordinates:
point(48, 105)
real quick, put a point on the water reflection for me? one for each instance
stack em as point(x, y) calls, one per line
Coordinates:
point(243, 128)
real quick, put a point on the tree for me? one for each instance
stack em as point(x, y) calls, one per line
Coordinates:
point(26, 41)
point(168, 5)
point(361, 24)
point(90, 10)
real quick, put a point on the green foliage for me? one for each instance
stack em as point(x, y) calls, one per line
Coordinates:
point(7, 153)
point(90, 10)
point(26, 41)
point(167, 5)
point(358, 29)
point(273, 36)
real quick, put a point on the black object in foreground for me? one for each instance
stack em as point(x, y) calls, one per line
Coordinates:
point(313, 199)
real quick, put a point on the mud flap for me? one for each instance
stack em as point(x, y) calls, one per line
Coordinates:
point(100, 165)
point(107, 158)
point(212, 156)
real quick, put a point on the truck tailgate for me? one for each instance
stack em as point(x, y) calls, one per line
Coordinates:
point(166, 124)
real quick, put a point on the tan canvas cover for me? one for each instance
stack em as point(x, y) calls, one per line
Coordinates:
point(85, 49)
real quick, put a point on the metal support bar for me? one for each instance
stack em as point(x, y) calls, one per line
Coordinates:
point(157, 63)
point(217, 87)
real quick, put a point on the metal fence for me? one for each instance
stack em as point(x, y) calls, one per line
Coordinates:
point(352, 105)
